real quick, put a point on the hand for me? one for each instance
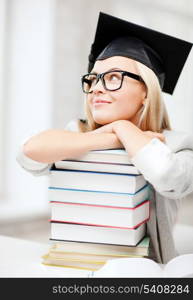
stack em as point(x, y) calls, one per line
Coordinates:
point(152, 134)
point(111, 135)
point(109, 128)
point(104, 129)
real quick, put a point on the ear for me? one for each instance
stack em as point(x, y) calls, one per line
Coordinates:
point(144, 100)
point(144, 95)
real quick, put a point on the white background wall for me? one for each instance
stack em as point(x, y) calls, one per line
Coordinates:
point(46, 45)
point(75, 30)
point(2, 57)
point(27, 106)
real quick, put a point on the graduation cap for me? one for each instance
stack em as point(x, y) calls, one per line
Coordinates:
point(164, 54)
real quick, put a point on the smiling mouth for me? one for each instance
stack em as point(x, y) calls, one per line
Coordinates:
point(101, 102)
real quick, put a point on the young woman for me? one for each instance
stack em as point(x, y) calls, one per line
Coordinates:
point(124, 109)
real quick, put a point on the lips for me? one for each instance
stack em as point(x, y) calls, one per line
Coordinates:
point(101, 101)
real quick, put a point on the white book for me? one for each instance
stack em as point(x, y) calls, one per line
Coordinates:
point(98, 197)
point(98, 181)
point(89, 264)
point(97, 234)
point(97, 166)
point(180, 266)
point(107, 156)
point(99, 214)
point(60, 248)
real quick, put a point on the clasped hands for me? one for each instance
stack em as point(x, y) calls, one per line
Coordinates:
point(117, 125)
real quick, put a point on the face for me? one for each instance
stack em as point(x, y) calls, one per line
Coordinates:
point(122, 104)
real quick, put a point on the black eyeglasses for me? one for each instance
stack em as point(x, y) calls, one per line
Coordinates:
point(111, 80)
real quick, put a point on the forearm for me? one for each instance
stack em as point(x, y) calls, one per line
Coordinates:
point(169, 172)
point(54, 145)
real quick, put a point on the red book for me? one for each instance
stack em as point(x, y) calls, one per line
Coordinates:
point(101, 215)
point(107, 235)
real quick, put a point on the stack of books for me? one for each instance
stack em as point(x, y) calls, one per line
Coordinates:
point(91, 256)
point(99, 209)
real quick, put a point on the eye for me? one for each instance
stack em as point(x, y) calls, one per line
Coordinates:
point(87, 81)
point(90, 80)
point(113, 77)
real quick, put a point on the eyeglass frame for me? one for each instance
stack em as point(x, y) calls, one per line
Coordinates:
point(101, 76)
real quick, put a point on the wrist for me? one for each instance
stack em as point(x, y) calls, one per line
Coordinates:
point(121, 125)
point(102, 141)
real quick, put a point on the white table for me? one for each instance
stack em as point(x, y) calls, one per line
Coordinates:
point(21, 258)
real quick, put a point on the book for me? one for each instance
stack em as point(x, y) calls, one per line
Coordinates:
point(107, 156)
point(59, 248)
point(88, 262)
point(98, 197)
point(97, 166)
point(72, 263)
point(67, 256)
point(89, 214)
point(96, 234)
point(90, 257)
point(98, 181)
point(180, 266)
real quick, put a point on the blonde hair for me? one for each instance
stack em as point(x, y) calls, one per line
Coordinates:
point(153, 115)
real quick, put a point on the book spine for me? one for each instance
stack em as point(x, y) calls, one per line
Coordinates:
point(100, 225)
point(96, 205)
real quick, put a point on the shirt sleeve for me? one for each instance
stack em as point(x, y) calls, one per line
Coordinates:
point(170, 173)
point(34, 167)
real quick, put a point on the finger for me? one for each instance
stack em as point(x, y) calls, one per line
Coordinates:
point(161, 137)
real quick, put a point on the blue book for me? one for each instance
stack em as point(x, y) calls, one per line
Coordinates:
point(98, 197)
point(97, 181)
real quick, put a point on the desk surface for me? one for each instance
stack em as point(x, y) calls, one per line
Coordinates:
point(21, 258)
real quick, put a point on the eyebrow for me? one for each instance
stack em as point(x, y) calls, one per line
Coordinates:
point(112, 69)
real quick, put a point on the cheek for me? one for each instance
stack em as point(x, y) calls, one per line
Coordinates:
point(125, 106)
point(129, 102)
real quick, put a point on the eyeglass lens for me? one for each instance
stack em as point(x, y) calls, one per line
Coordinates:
point(110, 80)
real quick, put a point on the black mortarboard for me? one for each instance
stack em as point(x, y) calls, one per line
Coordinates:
point(164, 54)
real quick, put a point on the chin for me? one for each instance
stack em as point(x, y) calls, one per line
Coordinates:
point(103, 120)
